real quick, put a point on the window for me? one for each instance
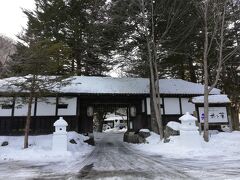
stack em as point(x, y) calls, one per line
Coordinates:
point(67, 106)
point(171, 106)
point(7, 106)
point(46, 106)
point(62, 106)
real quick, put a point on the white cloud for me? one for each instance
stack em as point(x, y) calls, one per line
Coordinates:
point(12, 19)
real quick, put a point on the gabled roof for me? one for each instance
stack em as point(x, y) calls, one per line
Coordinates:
point(110, 85)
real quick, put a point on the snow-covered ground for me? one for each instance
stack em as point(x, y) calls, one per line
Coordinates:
point(113, 159)
point(40, 149)
point(224, 145)
point(115, 130)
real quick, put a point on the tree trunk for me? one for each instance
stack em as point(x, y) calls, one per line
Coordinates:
point(28, 120)
point(154, 81)
point(154, 125)
point(206, 109)
point(235, 117)
point(205, 67)
point(158, 112)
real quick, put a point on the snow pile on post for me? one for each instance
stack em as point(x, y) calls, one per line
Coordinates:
point(212, 99)
point(189, 135)
point(60, 123)
point(60, 136)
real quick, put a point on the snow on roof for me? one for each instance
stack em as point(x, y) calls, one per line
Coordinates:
point(187, 117)
point(105, 85)
point(112, 117)
point(110, 85)
point(179, 86)
point(212, 99)
point(60, 122)
point(23, 83)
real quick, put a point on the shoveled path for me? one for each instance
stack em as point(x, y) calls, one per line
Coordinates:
point(112, 158)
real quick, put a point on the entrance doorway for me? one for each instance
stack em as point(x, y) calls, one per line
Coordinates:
point(110, 117)
point(97, 114)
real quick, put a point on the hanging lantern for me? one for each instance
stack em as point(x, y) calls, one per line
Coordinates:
point(133, 111)
point(89, 111)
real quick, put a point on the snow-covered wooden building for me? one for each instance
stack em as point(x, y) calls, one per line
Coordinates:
point(77, 101)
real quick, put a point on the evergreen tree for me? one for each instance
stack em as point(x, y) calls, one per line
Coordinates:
point(230, 77)
point(33, 65)
point(81, 25)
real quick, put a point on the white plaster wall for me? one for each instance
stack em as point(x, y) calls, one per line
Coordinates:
point(143, 106)
point(149, 106)
point(21, 107)
point(5, 100)
point(46, 106)
point(187, 106)
point(72, 106)
point(171, 105)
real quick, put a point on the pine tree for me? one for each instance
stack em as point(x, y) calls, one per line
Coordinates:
point(81, 25)
point(33, 66)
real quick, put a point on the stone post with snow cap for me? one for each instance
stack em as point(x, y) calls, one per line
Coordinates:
point(59, 141)
point(189, 135)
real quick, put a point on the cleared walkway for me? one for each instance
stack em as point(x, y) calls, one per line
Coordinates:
point(112, 158)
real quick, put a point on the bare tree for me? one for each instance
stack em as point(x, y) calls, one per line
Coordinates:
point(154, 46)
point(152, 67)
point(214, 25)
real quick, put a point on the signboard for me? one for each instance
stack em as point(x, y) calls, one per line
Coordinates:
point(216, 114)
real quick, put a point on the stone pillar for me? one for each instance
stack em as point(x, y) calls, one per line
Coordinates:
point(189, 135)
point(59, 141)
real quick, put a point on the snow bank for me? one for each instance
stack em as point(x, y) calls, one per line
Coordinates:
point(40, 148)
point(144, 130)
point(174, 125)
point(223, 145)
point(115, 130)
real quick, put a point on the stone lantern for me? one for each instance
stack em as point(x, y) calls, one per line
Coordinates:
point(189, 135)
point(188, 122)
point(59, 142)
